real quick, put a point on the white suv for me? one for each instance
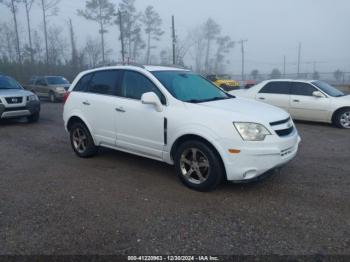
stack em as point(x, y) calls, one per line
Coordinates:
point(178, 117)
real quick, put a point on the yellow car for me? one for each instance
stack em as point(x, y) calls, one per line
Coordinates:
point(224, 81)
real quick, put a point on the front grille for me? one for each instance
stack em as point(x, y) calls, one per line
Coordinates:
point(285, 132)
point(14, 100)
point(277, 123)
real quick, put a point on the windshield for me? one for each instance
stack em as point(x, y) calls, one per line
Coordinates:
point(57, 80)
point(190, 87)
point(8, 83)
point(328, 89)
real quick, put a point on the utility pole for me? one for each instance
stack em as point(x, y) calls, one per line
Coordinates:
point(299, 59)
point(73, 45)
point(284, 66)
point(242, 50)
point(121, 34)
point(174, 39)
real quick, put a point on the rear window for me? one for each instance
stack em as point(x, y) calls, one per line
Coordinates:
point(276, 88)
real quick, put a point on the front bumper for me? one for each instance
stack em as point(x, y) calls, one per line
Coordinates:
point(258, 158)
point(29, 109)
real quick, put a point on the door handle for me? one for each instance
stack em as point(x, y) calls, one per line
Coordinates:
point(120, 109)
point(262, 98)
point(86, 103)
point(296, 100)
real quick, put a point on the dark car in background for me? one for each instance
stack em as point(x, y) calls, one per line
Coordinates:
point(51, 87)
point(15, 102)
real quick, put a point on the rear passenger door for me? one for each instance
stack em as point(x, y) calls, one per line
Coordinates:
point(276, 93)
point(305, 106)
point(97, 101)
point(40, 87)
point(140, 128)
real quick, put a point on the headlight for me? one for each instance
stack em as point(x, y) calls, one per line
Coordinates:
point(252, 131)
point(60, 89)
point(32, 98)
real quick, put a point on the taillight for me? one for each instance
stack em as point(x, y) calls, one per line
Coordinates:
point(65, 97)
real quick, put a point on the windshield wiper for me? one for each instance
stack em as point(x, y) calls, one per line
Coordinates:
point(196, 101)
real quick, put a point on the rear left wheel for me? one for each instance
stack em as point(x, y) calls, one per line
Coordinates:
point(81, 140)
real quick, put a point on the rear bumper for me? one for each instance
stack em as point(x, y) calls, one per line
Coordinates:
point(254, 161)
point(31, 108)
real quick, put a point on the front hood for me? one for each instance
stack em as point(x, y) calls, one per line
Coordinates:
point(248, 110)
point(14, 92)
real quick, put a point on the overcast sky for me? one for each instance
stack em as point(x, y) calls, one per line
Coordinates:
point(273, 29)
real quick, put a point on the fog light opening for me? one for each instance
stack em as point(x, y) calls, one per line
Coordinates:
point(250, 174)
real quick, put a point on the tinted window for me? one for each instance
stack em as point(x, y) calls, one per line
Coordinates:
point(105, 83)
point(302, 89)
point(41, 82)
point(8, 83)
point(276, 88)
point(57, 80)
point(135, 85)
point(83, 83)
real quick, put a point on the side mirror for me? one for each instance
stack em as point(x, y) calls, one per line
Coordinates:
point(318, 94)
point(151, 98)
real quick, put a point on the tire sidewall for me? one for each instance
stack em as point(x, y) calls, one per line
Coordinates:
point(216, 170)
point(338, 117)
point(91, 148)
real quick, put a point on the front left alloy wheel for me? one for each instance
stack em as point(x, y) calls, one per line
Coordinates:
point(198, 166)
point(342, 118)
point(81, 141)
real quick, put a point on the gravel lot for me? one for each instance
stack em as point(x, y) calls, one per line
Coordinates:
point(52, 202)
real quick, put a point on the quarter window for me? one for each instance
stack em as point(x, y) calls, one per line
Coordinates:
point(276, 88)
point(302, 89)
point(135, 85)
point(83, 83)
point(105, 83)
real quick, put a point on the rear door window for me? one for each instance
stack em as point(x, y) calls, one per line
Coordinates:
point(105, 83)
point(83, 83)
point(282, 88)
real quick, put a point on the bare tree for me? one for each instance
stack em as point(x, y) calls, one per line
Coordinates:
point(338, 75)
point(57, 46)
point(49, 8)
point(102, 12)
point(275, 74)
point(131, 28)
point(28, 6)
point(211, 31)
point(93, 51)
point(152, 22)
point(7, 42)
point(74, 56)
point(224, 46)
point(255, 74)
point(13, 7)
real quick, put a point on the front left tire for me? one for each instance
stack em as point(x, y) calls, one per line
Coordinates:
point(199, 166)
point(342, 118)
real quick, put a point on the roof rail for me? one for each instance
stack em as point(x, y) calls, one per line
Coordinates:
point(124, 64)
point(171, 65)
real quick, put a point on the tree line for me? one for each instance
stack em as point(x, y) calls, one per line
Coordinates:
point(48, 49)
